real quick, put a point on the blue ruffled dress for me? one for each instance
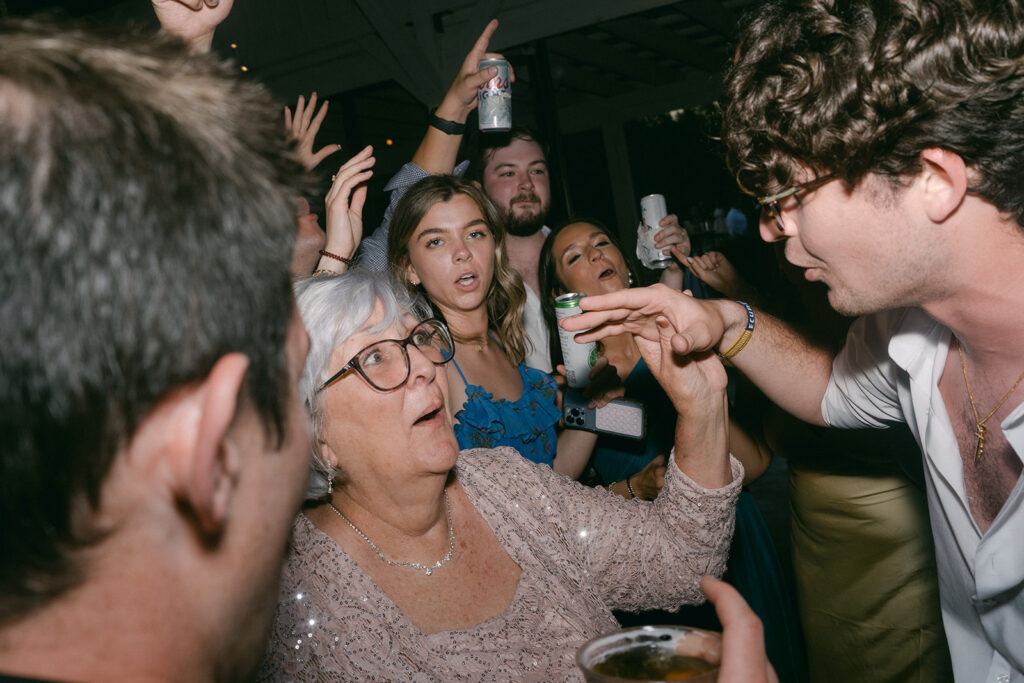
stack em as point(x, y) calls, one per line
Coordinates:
point(526, 424)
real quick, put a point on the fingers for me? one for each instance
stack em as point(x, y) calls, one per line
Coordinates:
point(300, 108)
point(479, 48)
point(288, 119)
point(354, 171)
point(307, 114)
point(743, 653)
point(314, 126)
point(324, 153)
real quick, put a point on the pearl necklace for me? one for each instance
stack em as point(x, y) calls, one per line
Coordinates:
point(427, 569)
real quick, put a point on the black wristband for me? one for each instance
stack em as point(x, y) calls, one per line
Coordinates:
point(446, 126)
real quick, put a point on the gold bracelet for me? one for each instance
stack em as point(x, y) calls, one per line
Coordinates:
point(744, 338)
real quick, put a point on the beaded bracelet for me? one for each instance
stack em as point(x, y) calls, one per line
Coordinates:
point(346, 261)
point(630, 487)
point(744, 338)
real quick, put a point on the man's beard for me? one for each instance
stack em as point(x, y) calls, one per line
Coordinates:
point(525, 224)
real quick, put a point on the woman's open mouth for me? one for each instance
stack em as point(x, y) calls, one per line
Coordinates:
point(428, 416)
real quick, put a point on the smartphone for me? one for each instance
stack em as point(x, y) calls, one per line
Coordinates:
point(620, 417)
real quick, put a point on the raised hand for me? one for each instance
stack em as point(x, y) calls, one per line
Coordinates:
point(461, 97)
point(743, 656)
point(303, 128)
point(689, 379)
point(344, 203)
point(697, 324)
point(673, 236)
point(194, 21)
point(715, 270)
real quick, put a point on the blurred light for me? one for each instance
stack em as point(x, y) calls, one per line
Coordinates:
point(389, 142)
point(245, 68)
point(234, 46)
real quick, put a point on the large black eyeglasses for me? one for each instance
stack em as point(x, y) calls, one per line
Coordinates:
point(771, 202)
point(385, 364)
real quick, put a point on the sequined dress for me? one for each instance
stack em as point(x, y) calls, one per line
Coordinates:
point(583, 552)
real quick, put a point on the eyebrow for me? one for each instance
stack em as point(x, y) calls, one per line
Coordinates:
point(442, 230)
point(511, 165)
point(589, 237)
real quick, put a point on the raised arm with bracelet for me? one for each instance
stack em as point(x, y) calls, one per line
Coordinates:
point(788, 368)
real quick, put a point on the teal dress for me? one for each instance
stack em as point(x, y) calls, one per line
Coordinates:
point(754, 567)
point(526, 424)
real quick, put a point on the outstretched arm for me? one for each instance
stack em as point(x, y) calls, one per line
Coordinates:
point(194, 21)
point(787, 367)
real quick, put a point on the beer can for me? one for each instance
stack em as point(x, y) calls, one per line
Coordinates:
point(652, 210)
point(577, 358)
point(495, 97)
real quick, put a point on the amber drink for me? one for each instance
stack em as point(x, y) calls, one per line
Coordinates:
point(652, 653)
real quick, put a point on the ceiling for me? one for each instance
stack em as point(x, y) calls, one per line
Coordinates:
point(591, 59)
point(581, 65)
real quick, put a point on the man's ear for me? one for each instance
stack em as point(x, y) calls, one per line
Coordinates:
point(215, 461)
point(944, 175)
point(477, 183)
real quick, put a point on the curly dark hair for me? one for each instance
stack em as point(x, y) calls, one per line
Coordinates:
point(864, 86)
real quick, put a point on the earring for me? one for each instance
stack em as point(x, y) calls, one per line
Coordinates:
point(630, 279)
point(330, 483)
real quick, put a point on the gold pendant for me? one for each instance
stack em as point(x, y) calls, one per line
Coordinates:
point(979, 449)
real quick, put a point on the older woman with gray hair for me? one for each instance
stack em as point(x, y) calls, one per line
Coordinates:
point(413, 561)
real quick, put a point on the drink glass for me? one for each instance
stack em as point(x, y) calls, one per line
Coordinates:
point(652, 653)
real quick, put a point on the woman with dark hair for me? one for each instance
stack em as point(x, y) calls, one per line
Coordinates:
point(584, 256)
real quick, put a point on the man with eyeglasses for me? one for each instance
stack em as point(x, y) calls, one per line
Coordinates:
point(885, 143)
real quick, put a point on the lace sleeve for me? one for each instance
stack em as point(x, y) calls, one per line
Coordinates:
point(641, 554)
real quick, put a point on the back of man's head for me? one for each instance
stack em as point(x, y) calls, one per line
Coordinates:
point(146, 227)
point(864, 86)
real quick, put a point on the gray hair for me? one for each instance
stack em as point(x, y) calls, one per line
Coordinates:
point(334, 308)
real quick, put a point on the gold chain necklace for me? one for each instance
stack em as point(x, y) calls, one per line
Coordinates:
point(427, 569)
point(981, 430)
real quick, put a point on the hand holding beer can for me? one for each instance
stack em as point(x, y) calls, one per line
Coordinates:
point(577, 358)
point(494, 98)
point(652, 210)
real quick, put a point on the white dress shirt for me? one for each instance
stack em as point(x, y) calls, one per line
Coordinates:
point(889, 371)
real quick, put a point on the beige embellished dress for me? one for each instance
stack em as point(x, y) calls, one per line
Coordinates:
point(582, 551)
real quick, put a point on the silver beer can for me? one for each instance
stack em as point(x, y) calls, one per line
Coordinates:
point(652, 210)
point(577, 358)
point(494, 98)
